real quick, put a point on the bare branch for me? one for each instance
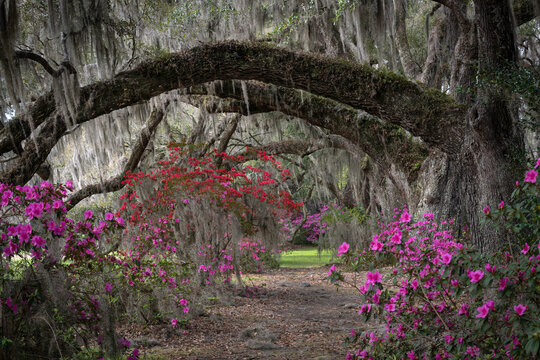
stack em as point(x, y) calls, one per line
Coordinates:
point(303, 147)
point(25, 54)
point(226, 137)
point(458, 12)
point(66, 65)
point(116, 183)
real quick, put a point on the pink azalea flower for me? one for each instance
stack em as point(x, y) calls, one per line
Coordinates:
point(520, 309)
point(502, 283)
point(411, 355)
point(376, 245)
point(396, 238)
point(88, 214)
point(446, 258)
point(38, 241)
point(414, 284)
point(489, 268)
point(332, 268)
point(109, 216)
point(487, 210)
point(473, 350)
point(501, 205)
point(464, 309)
point(174, 322)
point(57, 204)
point(530, 176)
point(364, 309)
point(34, 210)
point(108, 287)
point(429, 216)
point(390, 307)
point(374, 277)
point(343, 249)
point(405, 217)
point(476, 276)
point(186, 310)
point(482, 311)
point(525, 249)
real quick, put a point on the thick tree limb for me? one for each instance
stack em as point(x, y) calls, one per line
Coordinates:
point(116, 183)
point(412, 70)
point(428, 114)
point(384, 143)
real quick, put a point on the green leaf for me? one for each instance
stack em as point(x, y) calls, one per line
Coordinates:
point(532, 346)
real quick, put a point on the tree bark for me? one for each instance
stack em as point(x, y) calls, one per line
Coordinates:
point(481, 175)
point(411, 69)
point(388, 96)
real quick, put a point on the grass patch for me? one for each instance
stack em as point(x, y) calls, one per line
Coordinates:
point(305, 257)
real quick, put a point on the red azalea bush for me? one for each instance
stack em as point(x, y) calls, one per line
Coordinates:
point(444, 299)
point(197, 213)
point(64, 282)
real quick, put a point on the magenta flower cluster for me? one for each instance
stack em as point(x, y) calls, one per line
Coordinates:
point(460, 303)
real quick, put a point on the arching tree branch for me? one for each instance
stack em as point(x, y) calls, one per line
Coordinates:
point(25, 54)
point(384, 143)
point(428, 114)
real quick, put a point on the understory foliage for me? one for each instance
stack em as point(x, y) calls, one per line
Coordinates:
point(331, 224)
point(444, 299)
point(66, 283)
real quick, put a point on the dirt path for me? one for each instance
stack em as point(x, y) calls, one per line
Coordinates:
point(297, 316)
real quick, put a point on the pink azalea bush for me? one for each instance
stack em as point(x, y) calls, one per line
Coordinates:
point(519, 216)
point(99, 263)
point(444, 299)
point(37, 237)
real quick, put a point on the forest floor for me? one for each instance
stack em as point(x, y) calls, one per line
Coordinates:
point(296, 314)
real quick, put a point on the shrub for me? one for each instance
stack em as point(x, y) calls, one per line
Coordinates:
point(444, 299)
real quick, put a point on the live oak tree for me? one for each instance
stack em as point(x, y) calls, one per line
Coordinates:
point(450, 153)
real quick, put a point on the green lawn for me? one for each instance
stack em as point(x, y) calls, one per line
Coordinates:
point(304, 257)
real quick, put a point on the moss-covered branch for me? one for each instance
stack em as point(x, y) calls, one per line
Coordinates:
point(428, 114)
point(384, 143)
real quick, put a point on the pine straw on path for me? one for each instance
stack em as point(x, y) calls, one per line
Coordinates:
point(307, 316)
